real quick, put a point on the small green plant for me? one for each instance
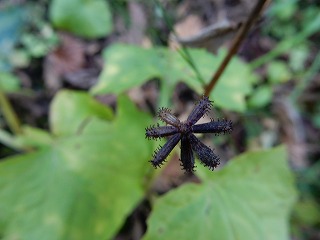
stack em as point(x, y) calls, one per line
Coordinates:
point(90, 170)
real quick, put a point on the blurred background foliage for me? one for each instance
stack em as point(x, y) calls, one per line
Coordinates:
point(80, 80)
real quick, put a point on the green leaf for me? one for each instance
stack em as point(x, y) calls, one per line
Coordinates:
point(82, 186)
point(234, 85)
point(129, 66)
point(72, 110)
point(283, 10)
point(86, 18)
point(251, 198)
point(307, 212)
point(298, 56)
point(278, 72)
point(31, 137)
point(34, 137)
point(39, 46)
point(9, 83)
point(9, 140)
point(261, 97)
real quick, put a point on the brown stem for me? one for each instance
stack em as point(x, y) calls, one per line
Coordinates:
point(235, 45)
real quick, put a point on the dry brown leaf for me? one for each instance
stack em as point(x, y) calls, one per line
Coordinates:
point(68, 57)
point(225, 19)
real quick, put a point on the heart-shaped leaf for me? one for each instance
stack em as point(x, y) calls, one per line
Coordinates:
point(250, 198)
point(83, 186)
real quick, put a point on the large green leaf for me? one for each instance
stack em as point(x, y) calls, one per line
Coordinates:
point(83, 186)
point(72, 110)
point(129, 66)
point(250, 198)
point(86, 18)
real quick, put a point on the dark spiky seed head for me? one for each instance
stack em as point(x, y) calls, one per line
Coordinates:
point(184, 131)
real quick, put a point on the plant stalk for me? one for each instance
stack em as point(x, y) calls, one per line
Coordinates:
point(9, 114)
point(235, 45)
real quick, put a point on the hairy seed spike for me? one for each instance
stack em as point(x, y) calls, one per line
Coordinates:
point(201, 109)
point(217, 127)
point(187, 158)
point(205, 154)
point(154, 132)
point(166, 116)
point(162, 153)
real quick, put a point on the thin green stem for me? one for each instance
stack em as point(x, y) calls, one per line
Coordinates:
point(188, 58)
point(9, 114)
point(183, 51)
point(166, 91)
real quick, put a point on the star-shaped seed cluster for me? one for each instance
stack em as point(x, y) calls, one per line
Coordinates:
point(184, 131)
